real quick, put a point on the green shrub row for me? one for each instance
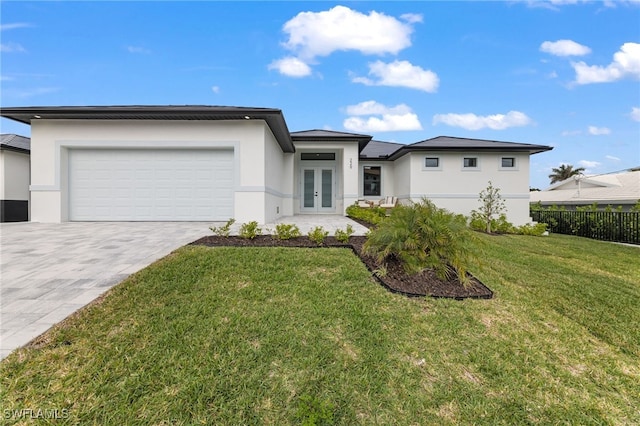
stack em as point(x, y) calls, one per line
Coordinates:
point(502, 226)
point(371, 215)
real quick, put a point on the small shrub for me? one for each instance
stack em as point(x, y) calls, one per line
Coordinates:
point(371, 215)
point(502, 226)
point(286, 231)
point(318, 234)
point(343, 236)
point(424, 236)
point(499, 226)
point(250, 230)
point(529, 229)
point(224, 230)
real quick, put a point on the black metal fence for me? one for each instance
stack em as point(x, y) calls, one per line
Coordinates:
point(623, 227)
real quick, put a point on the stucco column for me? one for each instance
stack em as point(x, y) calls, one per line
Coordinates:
point(350, 175)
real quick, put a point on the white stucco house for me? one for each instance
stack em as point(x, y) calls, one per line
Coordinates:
point(211, 163)
point(612, 189)
point(14, 178)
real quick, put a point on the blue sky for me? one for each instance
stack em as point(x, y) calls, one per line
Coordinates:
point(564, 73)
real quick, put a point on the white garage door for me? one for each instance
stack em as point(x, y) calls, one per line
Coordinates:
point(150, 185)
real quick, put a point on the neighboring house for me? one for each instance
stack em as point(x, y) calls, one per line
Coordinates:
point(14, 178)
point(615, 189)
point(211, 163)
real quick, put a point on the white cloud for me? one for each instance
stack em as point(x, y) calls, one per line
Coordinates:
point(564, 48)
point(635, 114)
point(626, 62)
point(14, 25)
point(138, 49)
point(400, 74)
point(555, 4)
point(412, 18)
point(313, 34)
point(215, 89)
point(612, 158)
point(388, 123)
point(475, 122)
point(11, 47)
point(376, 108)
point(596, 131)
point(588, 164)
point(381, 118)
point(290, 66)
point(616, 3)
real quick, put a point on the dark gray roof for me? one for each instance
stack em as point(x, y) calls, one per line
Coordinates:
point(15, 143)
point(449, 143)
point(273, 117)
point(377, 150)
point(317, 135)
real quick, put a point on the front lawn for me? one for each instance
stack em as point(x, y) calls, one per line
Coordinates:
point(286, 335)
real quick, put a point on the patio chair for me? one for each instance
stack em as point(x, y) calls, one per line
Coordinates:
point(388, 202)
point(364, 204)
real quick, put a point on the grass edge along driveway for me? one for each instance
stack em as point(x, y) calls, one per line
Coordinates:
point(284, 336)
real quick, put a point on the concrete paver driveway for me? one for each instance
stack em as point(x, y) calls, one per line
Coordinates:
point(48, 271)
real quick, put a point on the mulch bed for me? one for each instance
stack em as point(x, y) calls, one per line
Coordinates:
point(396, 279)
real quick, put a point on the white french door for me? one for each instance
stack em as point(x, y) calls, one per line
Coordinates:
point(318, 190)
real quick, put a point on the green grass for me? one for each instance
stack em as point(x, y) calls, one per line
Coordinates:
point(284, 336)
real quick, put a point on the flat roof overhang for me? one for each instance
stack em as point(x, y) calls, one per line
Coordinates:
point(531, 149)
point(273, 117)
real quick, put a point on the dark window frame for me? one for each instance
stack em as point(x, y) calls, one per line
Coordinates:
point(372, 187)
point(431, 166)
point(318, 156)
point(470, 162)
point(511, 166)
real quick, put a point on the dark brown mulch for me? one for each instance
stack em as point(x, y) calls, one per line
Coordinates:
point(395, 279)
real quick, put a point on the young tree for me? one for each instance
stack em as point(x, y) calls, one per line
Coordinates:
point(564, 172)
point(491, 204)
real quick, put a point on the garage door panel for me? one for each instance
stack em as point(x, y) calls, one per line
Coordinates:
point(149, 185)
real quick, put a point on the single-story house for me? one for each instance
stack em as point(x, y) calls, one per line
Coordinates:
point(14, 178)
point(614, 189)
point(211, 163)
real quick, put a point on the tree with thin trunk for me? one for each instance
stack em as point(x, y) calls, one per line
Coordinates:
point(491, 205)
point(564, 172)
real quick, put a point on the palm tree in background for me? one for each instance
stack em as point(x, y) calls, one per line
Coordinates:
point(564, 172)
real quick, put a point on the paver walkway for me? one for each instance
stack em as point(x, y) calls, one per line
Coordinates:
point(48, 271)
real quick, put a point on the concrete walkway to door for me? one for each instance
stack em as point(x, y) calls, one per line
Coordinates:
point(48, 271)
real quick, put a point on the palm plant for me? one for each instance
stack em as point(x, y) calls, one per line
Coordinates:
point(564, 172)
point(423, 236)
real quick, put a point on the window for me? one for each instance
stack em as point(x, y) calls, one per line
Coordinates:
point(508, 162)
point(470, 162)
point(317, 156)
point(372, 180)
point(432, 162)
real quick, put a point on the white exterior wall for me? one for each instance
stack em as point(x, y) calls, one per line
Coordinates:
point(278, 179)
point(51, 140)
point(14, 172)
point(452, 187)
point(402, 181)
